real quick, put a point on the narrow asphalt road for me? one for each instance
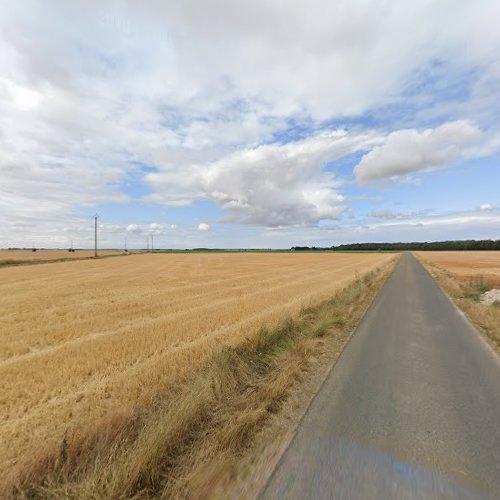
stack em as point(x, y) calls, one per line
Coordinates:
point(410, 411)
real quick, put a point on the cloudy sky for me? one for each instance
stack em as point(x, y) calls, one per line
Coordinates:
point(249, 124)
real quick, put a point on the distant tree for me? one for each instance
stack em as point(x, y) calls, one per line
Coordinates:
point(401, 246)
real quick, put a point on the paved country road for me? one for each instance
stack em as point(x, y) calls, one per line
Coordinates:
point(410, 411)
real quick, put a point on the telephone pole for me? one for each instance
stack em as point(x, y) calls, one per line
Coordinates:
point(95, 236)
point(152, 244)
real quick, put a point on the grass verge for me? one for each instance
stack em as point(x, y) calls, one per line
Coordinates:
point(466, 294)
point(162, 449)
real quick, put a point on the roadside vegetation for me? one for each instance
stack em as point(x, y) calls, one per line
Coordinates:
point(160, 449)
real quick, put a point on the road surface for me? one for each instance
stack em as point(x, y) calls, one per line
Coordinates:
point(410, 411)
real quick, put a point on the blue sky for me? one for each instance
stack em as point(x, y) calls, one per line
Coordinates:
point(212, 124)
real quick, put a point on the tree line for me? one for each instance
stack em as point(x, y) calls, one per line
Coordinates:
point(416, 245)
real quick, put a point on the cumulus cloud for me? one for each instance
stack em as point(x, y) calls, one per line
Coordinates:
point(408, 151)
point(133, 228)
point(274, 184)
point(156, 228)
point(203, 226)
point(487, 207)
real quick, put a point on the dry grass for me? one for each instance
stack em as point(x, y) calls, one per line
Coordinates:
point(87, 342)
point(177, 444)
point(11, 257)
point(465, 276)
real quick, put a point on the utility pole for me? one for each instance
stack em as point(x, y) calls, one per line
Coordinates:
point(95, 235)
point(152, 244)
point(147, 242)
point(126, 244)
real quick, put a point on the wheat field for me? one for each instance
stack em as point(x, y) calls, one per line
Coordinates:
point(83, 340)
point(467, 265)
point(22, 256)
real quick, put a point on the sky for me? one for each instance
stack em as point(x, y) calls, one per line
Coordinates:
point(236, 124)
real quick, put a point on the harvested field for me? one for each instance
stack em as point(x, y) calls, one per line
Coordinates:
point(25, 256)
point(467, 266)
point(465, 276)
point(84, 340)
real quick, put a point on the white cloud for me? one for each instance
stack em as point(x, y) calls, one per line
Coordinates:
point(487, 207)
point(326, 58)
point(203, 226)
point(408, 151)
point(156, 228)
point(274, 184)
point(133, 228)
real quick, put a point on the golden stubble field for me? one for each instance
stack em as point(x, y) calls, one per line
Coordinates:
point(14, 256)
point(83, 340)
point(467, 265)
